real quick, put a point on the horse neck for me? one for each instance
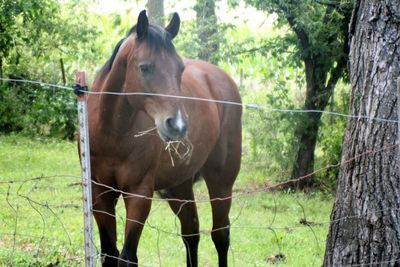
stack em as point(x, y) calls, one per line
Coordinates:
point(115, 113)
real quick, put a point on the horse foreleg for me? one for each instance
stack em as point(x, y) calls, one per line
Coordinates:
point(221, 226)
point(220, 172)
point(180, 199)
point(220, 194)
point(104, 214)
point(137, 209)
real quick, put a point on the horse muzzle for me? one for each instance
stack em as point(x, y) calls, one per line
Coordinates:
point(174, 128)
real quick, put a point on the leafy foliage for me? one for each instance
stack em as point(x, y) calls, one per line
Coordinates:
point(318, 32)
point(36, 36)
point(322, 22)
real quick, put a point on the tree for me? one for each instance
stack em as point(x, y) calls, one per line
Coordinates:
point(15, 17)
point(319, 32)
point(365, 221)
point(155, 10)
point(35, 36)
point(207, 29)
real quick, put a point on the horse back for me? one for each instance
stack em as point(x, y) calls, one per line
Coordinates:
point(200, 76)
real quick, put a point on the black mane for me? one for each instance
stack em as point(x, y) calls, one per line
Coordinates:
point(157, 39)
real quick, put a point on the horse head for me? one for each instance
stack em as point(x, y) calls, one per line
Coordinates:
point(155, 69)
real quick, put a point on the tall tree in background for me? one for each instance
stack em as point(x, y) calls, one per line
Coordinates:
point(365, 221)
point(155, 10)
point(207, 29)
point(319, 31)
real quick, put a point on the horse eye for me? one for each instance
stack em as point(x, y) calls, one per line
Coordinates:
point(146, 68)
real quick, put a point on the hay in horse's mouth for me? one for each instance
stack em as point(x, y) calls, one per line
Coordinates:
point(142, 133)
point(173, 146)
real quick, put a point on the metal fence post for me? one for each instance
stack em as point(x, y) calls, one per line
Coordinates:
point(80, 89)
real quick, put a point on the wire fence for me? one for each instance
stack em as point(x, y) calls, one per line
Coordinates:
point(42, 215)
point(245, 105)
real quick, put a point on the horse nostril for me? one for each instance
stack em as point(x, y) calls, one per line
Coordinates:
point(176, 125)
point(170, 123)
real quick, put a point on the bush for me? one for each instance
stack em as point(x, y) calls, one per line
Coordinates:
point(36, 110)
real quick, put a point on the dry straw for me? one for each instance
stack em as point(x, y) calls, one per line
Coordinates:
point(182, 149)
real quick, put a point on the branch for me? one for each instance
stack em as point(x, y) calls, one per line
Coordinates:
point(299, 31)
point(251, 50)
point(270, 45)
point(336, 73)
point(329, 4)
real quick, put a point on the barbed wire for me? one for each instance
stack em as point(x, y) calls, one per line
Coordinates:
point(126, 194)
point(277, 186)
point(37, 205)
point(189, 98)
point(268, 227)
point(233, 226)
point(267, 188)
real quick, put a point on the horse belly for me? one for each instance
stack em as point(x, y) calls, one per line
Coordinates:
point(171, 174)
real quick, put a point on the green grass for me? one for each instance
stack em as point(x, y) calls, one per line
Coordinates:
point(41, 219)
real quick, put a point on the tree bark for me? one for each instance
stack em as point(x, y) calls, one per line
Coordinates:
point(365, 221)
point(155, 10)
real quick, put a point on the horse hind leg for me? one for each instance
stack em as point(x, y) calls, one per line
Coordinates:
point(104, 214)
point(220, 204)
point(181, 201)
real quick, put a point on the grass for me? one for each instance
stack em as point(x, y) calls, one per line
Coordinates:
point(41, 216)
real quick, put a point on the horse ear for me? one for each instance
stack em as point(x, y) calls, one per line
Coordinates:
point(142, 25)
point(173, 26)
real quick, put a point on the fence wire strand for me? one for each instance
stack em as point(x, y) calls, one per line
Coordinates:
point(245, 105)
point(33, 203)
point(42, 209)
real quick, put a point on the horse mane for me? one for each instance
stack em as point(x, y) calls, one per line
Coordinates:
point(157, 39)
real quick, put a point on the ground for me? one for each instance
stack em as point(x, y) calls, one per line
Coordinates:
point(42, 220)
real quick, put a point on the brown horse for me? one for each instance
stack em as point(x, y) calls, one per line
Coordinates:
point(145, 141)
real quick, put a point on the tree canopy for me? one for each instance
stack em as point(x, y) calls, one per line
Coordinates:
point(44, 41)
point(319, 32)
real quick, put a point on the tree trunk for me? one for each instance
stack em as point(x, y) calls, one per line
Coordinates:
point(307, 134)
point(321, 79)
point(317, 98)
point(365, 221)
point(64, 79)
point(206, 29)
point(155, 10)
point(1, 69)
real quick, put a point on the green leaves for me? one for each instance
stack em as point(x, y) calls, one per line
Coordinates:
point(34, 36)
point(320, 27)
